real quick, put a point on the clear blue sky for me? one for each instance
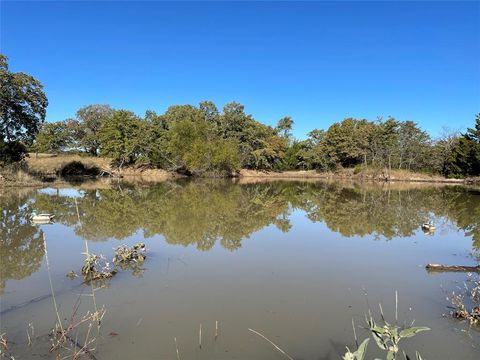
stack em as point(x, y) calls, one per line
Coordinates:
point(318, 62)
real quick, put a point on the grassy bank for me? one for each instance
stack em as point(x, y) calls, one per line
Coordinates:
point(38, 169)
point(52, 165)
point(42, 168)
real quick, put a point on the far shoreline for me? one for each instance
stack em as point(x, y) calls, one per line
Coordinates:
point(46, 169)
point(244, 176)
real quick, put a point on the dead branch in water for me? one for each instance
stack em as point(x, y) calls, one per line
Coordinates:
point(451, 268)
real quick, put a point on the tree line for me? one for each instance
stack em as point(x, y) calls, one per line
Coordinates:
point(202, 139)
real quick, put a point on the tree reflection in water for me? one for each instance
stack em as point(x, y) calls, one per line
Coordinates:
point(201, 213)
point(21, 244)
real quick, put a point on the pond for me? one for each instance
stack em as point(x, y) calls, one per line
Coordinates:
point(295, 261)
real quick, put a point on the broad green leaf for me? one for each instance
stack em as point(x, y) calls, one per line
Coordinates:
point(407, 333)
point(360, 353)
point(379, 340)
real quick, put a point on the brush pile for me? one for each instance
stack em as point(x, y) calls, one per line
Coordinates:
point(466, 304)
point(126, 255)
point(96, 268)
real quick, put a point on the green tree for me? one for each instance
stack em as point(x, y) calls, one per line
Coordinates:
point(120, 137)
point(196, 148)
point(413, 146)
point(388, 142)
point(55, 137)
point(443, 152)
point(271, 155)
point(284, 127)
point(298, 156)
point(210, 112)
point(154, 142)
point(90, 120)
point(345, 143)
point(23, 107)
point(467, 153)
point(258, 144)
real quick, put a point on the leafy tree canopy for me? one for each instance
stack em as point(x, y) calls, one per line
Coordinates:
point(23, 107)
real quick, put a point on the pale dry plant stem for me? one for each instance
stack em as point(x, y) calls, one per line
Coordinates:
point(85, 345)
point(51, 286)
point(354, 333)
point(381, 311)
point(200, 336)
point(396, 306)
point(176, 348)
point(30, 328)
point(97, 315)
point(271, 342)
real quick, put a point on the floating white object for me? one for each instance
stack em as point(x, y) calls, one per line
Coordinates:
point(41, 218)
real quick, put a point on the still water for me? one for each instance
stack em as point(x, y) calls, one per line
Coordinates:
point(296, 261)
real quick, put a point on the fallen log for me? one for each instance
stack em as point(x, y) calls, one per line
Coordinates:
point(451, 268)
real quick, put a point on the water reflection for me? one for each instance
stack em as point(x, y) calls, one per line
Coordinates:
point(21, 244)
point(202, 213)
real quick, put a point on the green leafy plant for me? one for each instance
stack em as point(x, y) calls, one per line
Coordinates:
point(387, 336)
point(359, 354)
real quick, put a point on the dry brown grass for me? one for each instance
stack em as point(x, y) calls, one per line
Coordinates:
point(350, 174)
point(48, 164)
point(300, 174)
point(16, 174)
point(403, 175)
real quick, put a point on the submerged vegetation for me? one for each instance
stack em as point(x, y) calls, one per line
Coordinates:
point(96, 268)
point(127, 255)
point(466, 303)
